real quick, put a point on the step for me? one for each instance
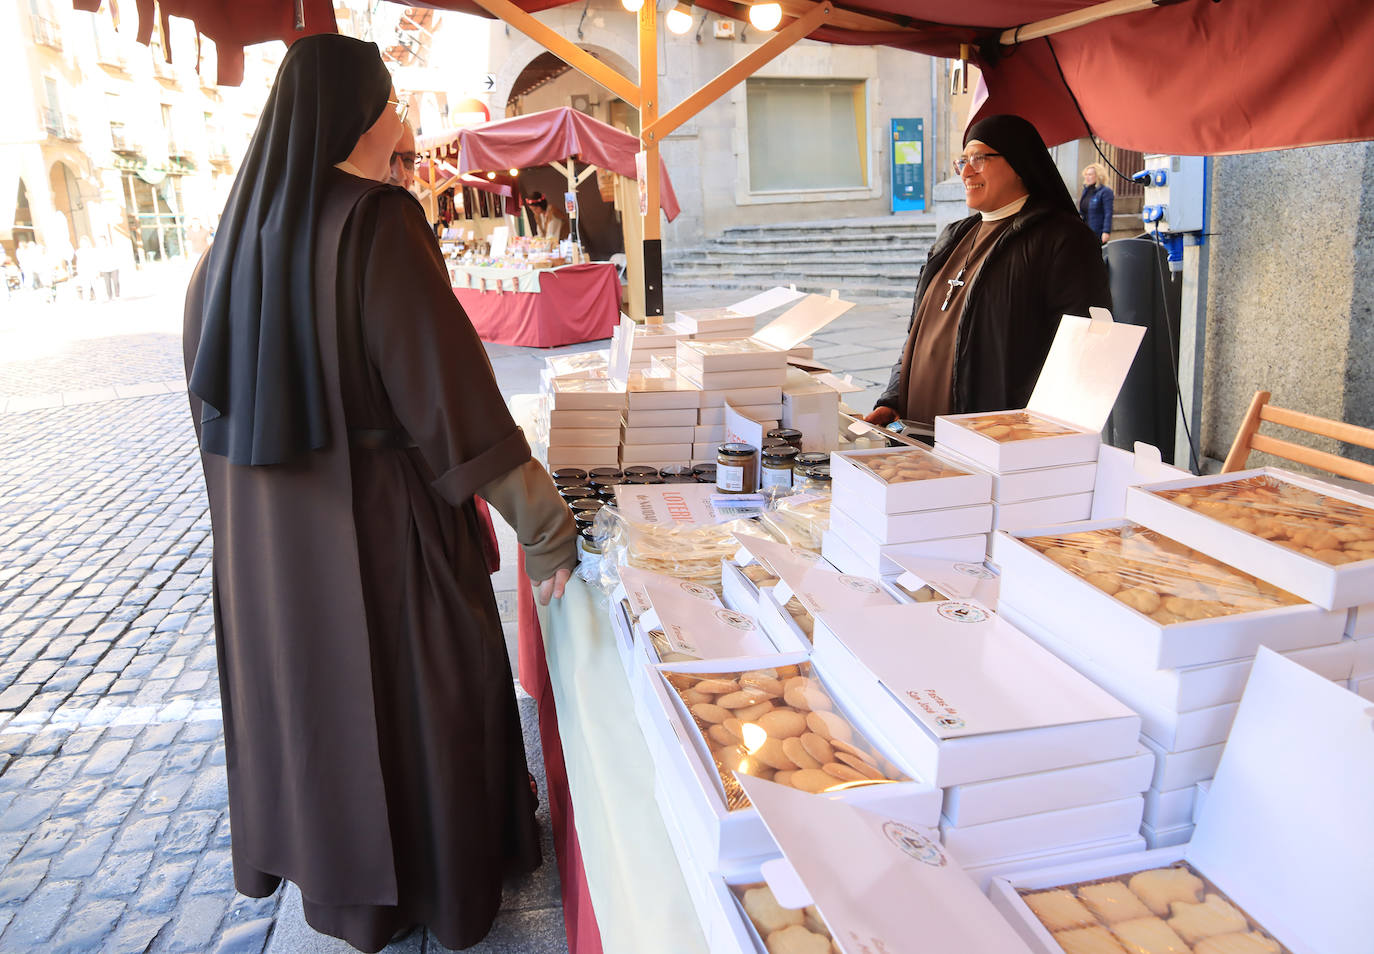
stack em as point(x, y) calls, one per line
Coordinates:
point(820, 231)
point(860, 246)
point(770, 256)
point(849, 290)
point(858, 269)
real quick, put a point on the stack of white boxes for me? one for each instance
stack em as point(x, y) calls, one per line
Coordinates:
point(1185, 679)
point(1359, 630)
point(742, 371)
point(904, 501)
point(583, 421)
point(660, 420)
point(1037, 763)
point(645, 342)
point(706, 324)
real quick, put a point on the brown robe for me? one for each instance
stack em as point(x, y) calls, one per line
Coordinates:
point(372, 739)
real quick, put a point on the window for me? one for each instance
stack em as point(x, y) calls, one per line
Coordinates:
point(807, 134)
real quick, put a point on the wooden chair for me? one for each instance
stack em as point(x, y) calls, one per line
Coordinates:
point(1249, 438)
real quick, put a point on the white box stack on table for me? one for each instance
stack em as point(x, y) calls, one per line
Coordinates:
point(761, 404)
point(584, 422)
point(1034, 758)
point(1170, 632)
point(660, 419)
point(904, 501)
point(1281, 859)
point(706, 324)
point(731, 363)
point(645, 341)
point(1043, 459)
point(1359, 631)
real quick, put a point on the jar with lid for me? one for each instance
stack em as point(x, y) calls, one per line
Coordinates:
point(584, 519)
point(587, 545)
point(789, 434)
point(605, 485)
point(812, 479)
point(774, 442)
point(562, 482)
point(611, 474)
point(641, 470)
point(570, 472)
point(569, 494)
point(641, 479)
point(737, 468)
point(704, 473)
point(673, 472)
point(775, 471)
point(804, 461)
point(586, 505)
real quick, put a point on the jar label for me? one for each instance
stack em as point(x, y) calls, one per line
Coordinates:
point(777, 478)
point(729, 477)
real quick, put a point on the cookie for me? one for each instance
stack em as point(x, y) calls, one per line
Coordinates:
point(1149, 936)
point(717, 687)
point(795, 750)
point(843, 772)
point(1112, 901)
point(829, 726)
point(752, 713)
point(769, 916)
point(1160, 887)
point(707, 712)
point(813, 780)
point(1252, 943)
point(816, 747)
point(1089, 940)
point(1215, 915)
point(1059, 910)
point(782, 723)
point(796, 940)
point(860, 766)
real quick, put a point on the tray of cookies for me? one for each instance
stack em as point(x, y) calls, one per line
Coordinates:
point(777, 929)
point(1168, 910)
point(1011, 441)
point(1136, 598)
point(903, 480)
point(1310, 537)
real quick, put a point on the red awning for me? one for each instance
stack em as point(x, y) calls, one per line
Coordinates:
point(1201, 77)
point(554, 135)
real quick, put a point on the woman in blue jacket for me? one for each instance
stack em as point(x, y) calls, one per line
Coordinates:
point(1095, 205)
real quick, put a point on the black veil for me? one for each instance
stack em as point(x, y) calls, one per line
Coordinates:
point(1019, 142)
point(257, 366)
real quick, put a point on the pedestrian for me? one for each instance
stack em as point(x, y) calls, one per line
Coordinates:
point(87, 268)
point(1095, 204)
point(107, 261)
point(347, 414)
point(197, 238)
point(995, 284)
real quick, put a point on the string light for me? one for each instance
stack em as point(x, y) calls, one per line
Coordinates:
point(765, 16)
point(680, 19)
point(632, 5)
point(491, 175)
point(515, 172)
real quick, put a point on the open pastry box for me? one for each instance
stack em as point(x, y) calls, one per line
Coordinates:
point(967, 697)
point(1074, 394)
point(927, 580)
point(1285, 834)
point(1310, 537)
point(693, 749)
point(904, 480)
point(1168, 606)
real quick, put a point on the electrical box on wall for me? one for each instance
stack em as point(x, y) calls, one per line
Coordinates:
point(1174, 193)
point(724, 29)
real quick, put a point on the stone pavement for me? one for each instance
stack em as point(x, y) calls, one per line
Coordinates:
point(114, 830)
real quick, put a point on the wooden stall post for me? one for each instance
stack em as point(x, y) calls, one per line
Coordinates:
point(652, 243)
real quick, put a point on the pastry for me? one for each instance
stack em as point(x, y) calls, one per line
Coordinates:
point(1215, 915)
point(1149, 936)
point(1059, 910)
point(782, 723)
point(1112, 901)
point(796, 940)
point(1088, 940)
point(1160, 887)
point(1252, 943)
point(813, 780)
point(769, 916)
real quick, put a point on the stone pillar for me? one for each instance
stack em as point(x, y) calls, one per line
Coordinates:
point(1290, 305)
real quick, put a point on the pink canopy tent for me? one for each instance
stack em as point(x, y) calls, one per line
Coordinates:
point(553, 136)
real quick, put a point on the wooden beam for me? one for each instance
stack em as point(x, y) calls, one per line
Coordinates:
point(652, 234)
point(654, 131)
point(567, 51)
point(1068, 21)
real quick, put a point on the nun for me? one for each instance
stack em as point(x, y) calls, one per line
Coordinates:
point(995, 284)
point(346, 415)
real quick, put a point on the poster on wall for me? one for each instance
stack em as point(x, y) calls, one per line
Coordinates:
point(908, 165)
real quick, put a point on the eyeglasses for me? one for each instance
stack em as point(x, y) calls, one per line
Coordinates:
point(978, 161)
point(407, 158)
point(402, 109)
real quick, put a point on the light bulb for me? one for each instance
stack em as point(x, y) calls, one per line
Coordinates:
point(491, 175)
point(765, 16)
point(515, 172)
point(680, 19)
point(632, 5)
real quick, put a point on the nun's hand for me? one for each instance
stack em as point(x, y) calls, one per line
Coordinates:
point(881, 416)
point(553, 587)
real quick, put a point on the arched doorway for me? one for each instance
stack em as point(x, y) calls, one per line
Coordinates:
point(23, 230)
point(66, 198)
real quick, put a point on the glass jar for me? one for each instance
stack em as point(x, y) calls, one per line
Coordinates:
point(561, 482)
point(570, 472)
point(586, 505)
point(704, 473)
point(587, 545)
point(805, 461)
point(605, 486)
point(775, 470)
point(812, 479)
point(584, 519)
point(677, 473)
point(641, 479)
point(612, 474)
point(569, 494)
point(737, 468)
point(774, 442)
point(641, 470)
point(789, 434)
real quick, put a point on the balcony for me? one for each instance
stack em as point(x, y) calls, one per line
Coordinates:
point(108, 53)
point(165, 71)
point(179, 149)
point(124, 144)
point(220, 155)
point(46, 32)
point(61, 126)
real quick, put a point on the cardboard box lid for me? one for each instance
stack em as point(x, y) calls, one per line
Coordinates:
point(959, 579)
point(900, 893)
point(1085, 369)
point(1287, 829)
point(801, 321)
point(692, 617)
point(775, 297)
point(964, 671)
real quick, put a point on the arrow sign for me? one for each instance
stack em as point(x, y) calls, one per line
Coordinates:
point(490, 81)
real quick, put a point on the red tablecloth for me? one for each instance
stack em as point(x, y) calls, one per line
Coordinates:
point(579, 918)
point(575, 303)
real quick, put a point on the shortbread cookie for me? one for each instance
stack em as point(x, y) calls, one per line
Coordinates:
point(1215, 915)
point(1059, 910)
point(1159, 887)
point(769, 916)
point(796, 940)
point(1112, 901)
point(1089, 940)
point(1252, 943)
point(1149, 936)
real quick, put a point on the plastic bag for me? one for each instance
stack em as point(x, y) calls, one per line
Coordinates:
point(1009, 426)
point(683, 551)
point(800, 519)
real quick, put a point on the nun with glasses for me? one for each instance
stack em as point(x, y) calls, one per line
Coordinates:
point(995, 284)
point(347, 415)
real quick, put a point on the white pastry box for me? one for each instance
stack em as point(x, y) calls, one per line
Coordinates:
point(1117, 635)
point(714, 415)
point(1169, 809)
point(1034, 484)
point(881, 560)
point(699, 800)
point(884, 528)
point(959, 523)
point(1285, 830)
point(946, 580)
point(585, 394)
point(934, 484)
point(1074, 395)
point(667, 417)
point(966, 696)
point(977, 803)
point(649, 392)
point(1360, 622)
point(736, 319)
point(1332, 586)
point(1042, 512)
point(991, 842)
point(1175, 770)
point(900, 891)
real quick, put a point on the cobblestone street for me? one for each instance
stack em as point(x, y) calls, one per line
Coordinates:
point(114, 829)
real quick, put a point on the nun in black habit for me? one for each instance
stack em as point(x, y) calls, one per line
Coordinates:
point(347, 414)
point(995, 284)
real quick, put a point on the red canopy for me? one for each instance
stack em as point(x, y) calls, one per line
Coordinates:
point(1190, 76)
point(552, 136)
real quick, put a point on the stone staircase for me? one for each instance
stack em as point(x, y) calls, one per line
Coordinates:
point(875, 257)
